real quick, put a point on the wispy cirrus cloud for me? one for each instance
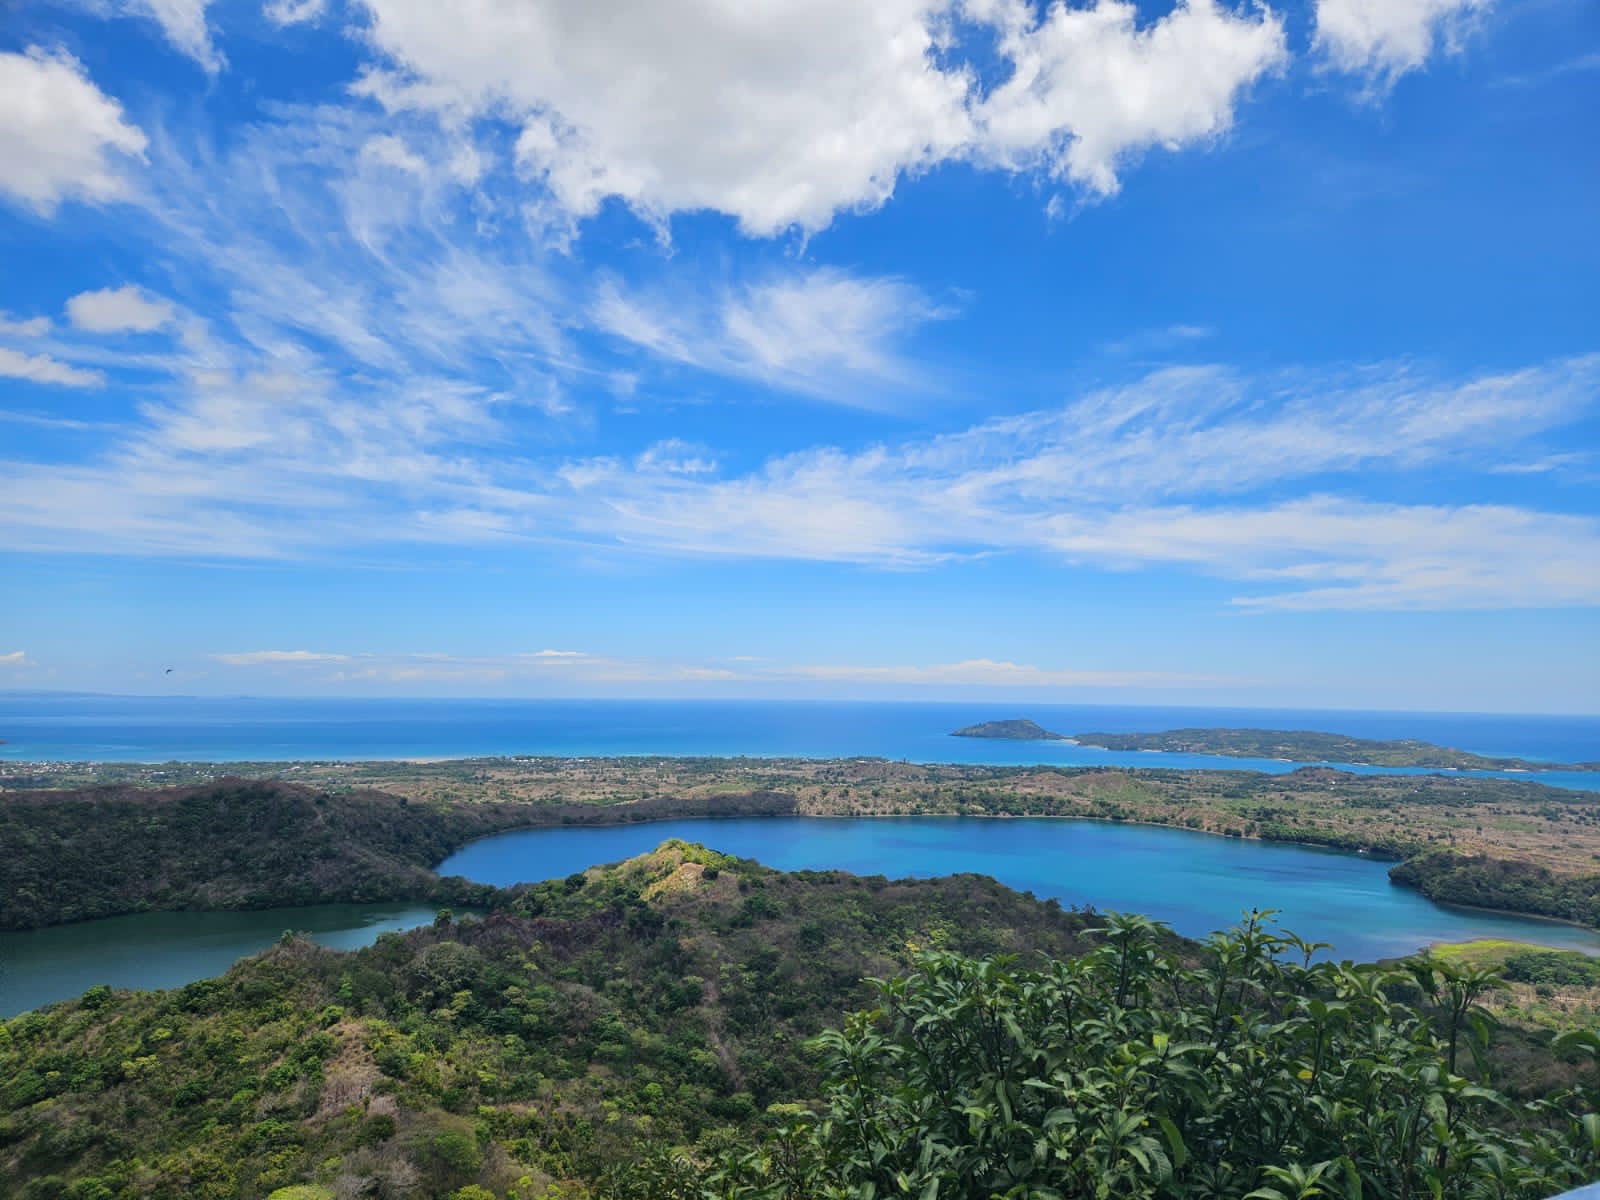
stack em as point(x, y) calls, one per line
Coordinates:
point(575, 668)
point(183, 23)
point(820, 332)
point(1253, 478)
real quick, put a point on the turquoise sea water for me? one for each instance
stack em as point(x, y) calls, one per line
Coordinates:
point(164, 729)
point(1196, 882)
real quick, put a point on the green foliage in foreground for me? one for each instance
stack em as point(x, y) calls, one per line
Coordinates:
point(659, 1030)
point(666, 1001)
point(1126, 1073)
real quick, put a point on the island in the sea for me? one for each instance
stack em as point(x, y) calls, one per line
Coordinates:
point(1011, 731)
point(1300, 745)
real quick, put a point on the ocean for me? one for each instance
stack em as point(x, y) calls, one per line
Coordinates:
point(84, 728)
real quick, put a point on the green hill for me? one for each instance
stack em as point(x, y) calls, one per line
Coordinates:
point(649, 1031)
point(1013, 730)
point(76, 854)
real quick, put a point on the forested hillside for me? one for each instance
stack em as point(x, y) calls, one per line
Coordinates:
point(646, 1031)
point(71, 855)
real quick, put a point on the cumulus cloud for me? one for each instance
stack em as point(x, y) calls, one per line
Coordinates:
point(1089, 86)
point(1387, 38)
point(820, 106)
point(41, 368)
point(17, 658)
point(61, 137)
point(118, 310)
point(183, 22)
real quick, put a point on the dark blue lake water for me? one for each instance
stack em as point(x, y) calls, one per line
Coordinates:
point(1196, 882)
point(164, 729)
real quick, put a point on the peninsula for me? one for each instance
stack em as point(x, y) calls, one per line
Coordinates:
point(1011, 731)
point(1308, 746)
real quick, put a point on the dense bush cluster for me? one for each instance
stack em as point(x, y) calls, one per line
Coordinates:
point(1499, 883)
point(1127, 1073)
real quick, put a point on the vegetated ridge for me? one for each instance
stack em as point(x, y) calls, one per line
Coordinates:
point(676, 1027)
point(1513, 845)
point(1303, 745)
point(1016, 730)
point(242, 844)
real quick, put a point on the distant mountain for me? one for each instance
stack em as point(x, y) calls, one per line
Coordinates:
point(1011, 731)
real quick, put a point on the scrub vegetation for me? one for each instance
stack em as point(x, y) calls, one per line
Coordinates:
point(76, 851)
point(1308, 746)
point(686, 1024)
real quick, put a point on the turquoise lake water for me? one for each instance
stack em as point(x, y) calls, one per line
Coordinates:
point(1196, 882)
point(164, 950)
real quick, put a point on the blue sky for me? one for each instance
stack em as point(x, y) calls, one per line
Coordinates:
point(927, 348)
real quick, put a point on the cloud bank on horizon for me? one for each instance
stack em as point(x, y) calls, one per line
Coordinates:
point(1260, 313)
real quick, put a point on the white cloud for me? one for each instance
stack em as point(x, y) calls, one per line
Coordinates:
point(391, 151)
point(60, 136)
point(31, 327)
point(294, 12)
point(820, 332)
point(16, 658)
point(680, 106)
point(548, 668)
point(676, 457)
point(1090, 87)
point(984, 672)
point(41, 368)
point(819, 106)
point(1257, 479)
point(1386, 38)
point(1324, 552)
point(184, 24)
point(118, 310)
point(264, 658)
point(1141, 475)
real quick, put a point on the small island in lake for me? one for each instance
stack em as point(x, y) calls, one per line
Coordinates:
point(1302, 745)
point(1011, 731)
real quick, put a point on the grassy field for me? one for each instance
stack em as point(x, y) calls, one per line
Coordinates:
point(1544, 989)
